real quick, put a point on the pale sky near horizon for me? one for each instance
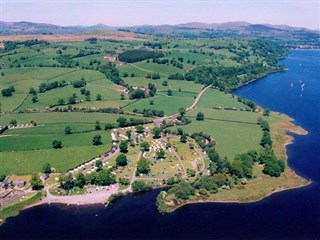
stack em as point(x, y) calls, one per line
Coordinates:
point(298, 13)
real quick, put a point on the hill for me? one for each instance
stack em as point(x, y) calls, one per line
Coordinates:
point(293, 37)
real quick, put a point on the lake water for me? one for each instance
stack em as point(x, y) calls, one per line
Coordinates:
point(293, 214)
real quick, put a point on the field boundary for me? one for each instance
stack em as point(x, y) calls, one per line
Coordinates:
point(222, 120)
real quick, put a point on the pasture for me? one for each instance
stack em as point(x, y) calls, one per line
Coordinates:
point(163, 102)
point(25, 150)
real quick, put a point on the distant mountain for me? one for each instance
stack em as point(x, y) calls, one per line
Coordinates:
point(287, 35)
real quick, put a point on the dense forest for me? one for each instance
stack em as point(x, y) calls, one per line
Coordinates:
point(138, 55)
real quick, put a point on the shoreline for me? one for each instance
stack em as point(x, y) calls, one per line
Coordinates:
point(256, 79)
point(289, 127)
point(286, 126)
point(240, 201)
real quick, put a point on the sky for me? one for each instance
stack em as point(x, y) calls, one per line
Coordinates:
point(298, 13)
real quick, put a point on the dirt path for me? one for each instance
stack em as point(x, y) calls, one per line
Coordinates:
point(158, 121)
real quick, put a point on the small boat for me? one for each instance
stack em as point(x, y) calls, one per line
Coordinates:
point(291, 84)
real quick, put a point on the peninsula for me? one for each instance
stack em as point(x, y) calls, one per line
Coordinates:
point(89, 117)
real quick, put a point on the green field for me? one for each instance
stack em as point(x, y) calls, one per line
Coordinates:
point(25, 150)
point(234, 131)
point(214, 98)
point(168, 104)
point(174, 85)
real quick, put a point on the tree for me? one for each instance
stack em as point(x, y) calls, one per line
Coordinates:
point(182, 111)
point(129, 134)
point(108, 126)
point(124, 181)
point(105, 178)
point(180, 131)
point(67, 182)
point(36, 182)
point(266, 139)
point(61, 101)
point(140, 186)
point(145, 146)
point(97, 140)
point(32, 91)
point(83, 91)
point(169, 92)
point(200, 116)
point(165, 83)
point(6, 92)
point(72, 99)
point(160, 154)
point(13, 122)
point(56, 144)
point(123, 147)
point(183, 138)
point(99, 165)
point(139, 129)
point(46, 168)
point(266, 112)
point(80, 180)
point(98, 97)
point(97, 125)
point(156, 132)
point(121, 160)
point(143, 166)
point(274, 167)
point(122, 121)
point(34, 99)
point(182, 191)
point(67, 130)
point(191, 172)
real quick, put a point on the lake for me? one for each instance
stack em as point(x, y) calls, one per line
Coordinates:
point(293, 214)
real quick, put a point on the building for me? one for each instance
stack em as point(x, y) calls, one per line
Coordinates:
point(19, 183)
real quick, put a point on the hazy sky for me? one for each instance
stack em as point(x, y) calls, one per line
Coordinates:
point(301, 13)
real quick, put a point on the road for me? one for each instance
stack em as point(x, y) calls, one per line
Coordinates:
point(158, 121)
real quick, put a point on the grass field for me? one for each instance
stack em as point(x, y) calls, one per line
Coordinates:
point(165, 103)
point(215, 98)
point(174, 85)
point(234, 131)
point(25, 150)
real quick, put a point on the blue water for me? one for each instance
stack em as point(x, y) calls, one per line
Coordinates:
point(293, 214)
